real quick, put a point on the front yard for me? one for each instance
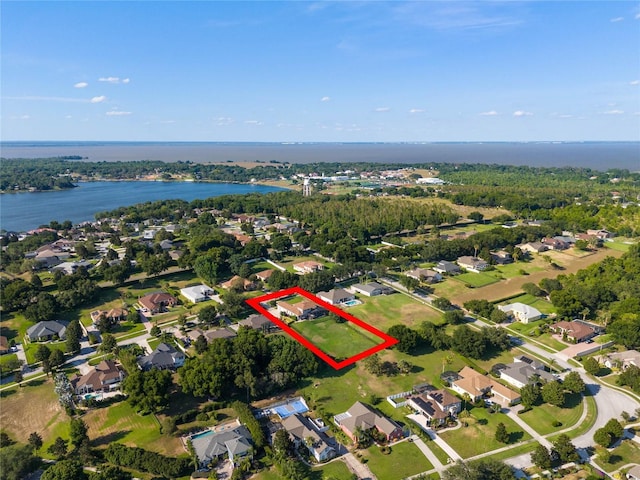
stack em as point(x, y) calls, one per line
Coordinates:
point(627, 452)
point(404, 460)
point(541, 417)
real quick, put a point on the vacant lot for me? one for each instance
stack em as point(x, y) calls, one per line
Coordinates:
point(340, 340)
point(385, 311)
point(541, 418)
point(477, 280)
point(396, 464)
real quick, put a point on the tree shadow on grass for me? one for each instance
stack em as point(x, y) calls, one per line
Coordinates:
point(110, 438)
point(6, 393)
point(572, 400)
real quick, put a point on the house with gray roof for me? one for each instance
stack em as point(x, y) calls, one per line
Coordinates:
point(256, 322)
point(424, 275)
point(521, 312)
point(361, 416)
point(197, 293)
point(336, 296)
point(47, 330)
point(521, 373)
point(371, 289)
point(163, 357)
point(303, 431)
point(447, 267)
point(231, 441)
point(473, 264)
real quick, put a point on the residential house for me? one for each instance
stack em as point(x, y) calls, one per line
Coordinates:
point(301, 310)
point(264, 275)
point(521, 312)
point(4, 345)
point(104, 377)
point(555, 243)
point(471, 383)
point(634, 473)
point(309, 266)
point(336, 296)
point(424, 275)
point(197, 293)
point(574, 331)
point(436, 405)
point(113, 315)
point(238, 282)
point(524, 371)
point(257, 322)
point(303, 431)
point(601, 234)
point(69, 268)
point(212, 334)
point(622, 360)
point(157, 302)
point(163, 357)
point(472, 264)
point(533, 247)
point(501, 257)
point(371, 289)
point(363, 417)
point(47, 330)
point(447, 268)
point(233, 442)
point(243, 239)
point(503, 395)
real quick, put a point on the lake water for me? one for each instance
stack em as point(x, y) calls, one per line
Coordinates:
point(595, 155)
point(25, 211)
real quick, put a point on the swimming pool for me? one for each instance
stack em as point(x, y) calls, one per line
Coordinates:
point(296, 406)
point(352, 303)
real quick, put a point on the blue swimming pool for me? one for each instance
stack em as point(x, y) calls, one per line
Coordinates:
point(291, 408)
point(352, 303)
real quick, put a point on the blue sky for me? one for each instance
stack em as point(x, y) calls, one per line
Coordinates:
point(320, 71)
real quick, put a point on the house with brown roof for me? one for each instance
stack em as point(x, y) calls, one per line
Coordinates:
point(363, 417)
point(309, 266)
point(239, 282)
point(533, 247)
point(424, 275)
point(157, 302)
point(472, 264)
point(555, 243)
point(436, 405)
point(113, 315)
point(303, 431)
point(622, 360)
point(264, 275)
point(574, 331)
point(257, 322)
point(301, 310)
point(502, 257)
point(471, 383)
point(104, 377)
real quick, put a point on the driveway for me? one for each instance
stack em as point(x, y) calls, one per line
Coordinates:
point(360, 469)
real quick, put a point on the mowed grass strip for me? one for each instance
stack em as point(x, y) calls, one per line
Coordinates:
point(340, 340)
point(477, 280)
point(405, 460)
point(479, 436)
point(541, 418)
point(384, 311)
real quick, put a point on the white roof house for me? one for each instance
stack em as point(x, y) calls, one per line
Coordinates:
point(197, 293)
point(522, 312)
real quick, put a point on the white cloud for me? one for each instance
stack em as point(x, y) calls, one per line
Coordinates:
point(522, 113)
point(382, 109)
point(223, 121)
point(99, 99)
point(81, 85)
point(634, 82)
point(325, 99)
point(252, 122)
point(114, 80)
point(617, 19)
point(117, 113)
point(48, 99)
point(490, 113)
point(613, 112)
point(416, 110)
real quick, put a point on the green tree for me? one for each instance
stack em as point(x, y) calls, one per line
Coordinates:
point(574, 383)
point(453, 317)
point(35, 441)
point(65, 470)
point(602, 437)
point(73, 334)
point(502, 435)
point(541, 457)
point(592, 366)
point(408, 339)
point(566, 449)
point(43, 352)
point(110, 473)
point(282, 444)
point(58, 448)
point(78, 432)
point(109, 343)
point(441, 303)
point(615, 428)
point(17, 462)
point(56, 358)
point(208, 315)
point(553, 393)
point(200, 344)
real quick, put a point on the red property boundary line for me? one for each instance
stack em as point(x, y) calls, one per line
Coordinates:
point(388, 341)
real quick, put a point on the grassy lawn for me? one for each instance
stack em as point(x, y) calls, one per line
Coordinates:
point(536, 302)
point(31, 348)
point(121, 423)
point(512, 270)
point(385, 311)
point(548, 340)
point(396, 464)
point(450, 288)
point(479, 436)
point(340, 340)
point(477, 280)
point(627, 452)
point(14, 325)
point(10, 357)
point(437, 451)
point(288, 262)
point(583, 427)
point(541, 417)
point(525, 328)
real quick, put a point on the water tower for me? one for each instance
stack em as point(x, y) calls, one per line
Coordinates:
point(306, 188)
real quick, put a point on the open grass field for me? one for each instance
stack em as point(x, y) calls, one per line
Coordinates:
point(121, 423)
point(536, 302)
point(541, 417)
point(30, 349)
point(384, 311)
point(627, 452)
point(340, 340)
point(32, 408)
point(479, 436)
point(397, 463)
point(476, 280)
point(14, 325)
point(621, 244)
